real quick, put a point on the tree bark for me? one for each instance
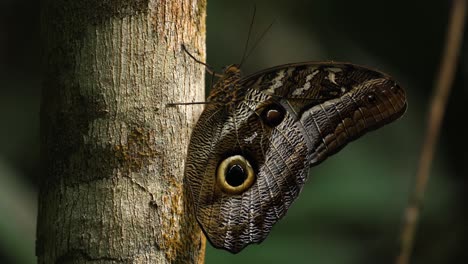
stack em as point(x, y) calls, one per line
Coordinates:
point(113, 152)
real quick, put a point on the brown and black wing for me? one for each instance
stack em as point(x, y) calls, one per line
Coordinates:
point(248, 160)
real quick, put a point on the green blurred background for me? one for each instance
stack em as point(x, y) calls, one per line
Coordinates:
point(351, 209)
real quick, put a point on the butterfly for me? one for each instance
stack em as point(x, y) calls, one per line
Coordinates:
point(251, 149)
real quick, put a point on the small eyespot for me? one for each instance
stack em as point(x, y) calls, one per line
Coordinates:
point(273, 114)
point(371, 98)
point(235, 175)
point(394, 88)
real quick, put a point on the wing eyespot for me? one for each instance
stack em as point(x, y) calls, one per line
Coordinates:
point(371, 98)
point(235, 175)
point(273, 114)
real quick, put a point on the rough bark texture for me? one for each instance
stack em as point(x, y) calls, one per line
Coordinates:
point(113, 152)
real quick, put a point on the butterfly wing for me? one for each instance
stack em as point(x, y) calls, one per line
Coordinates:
point(288, 118)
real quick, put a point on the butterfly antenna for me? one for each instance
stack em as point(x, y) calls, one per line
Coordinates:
point(259, 39)
point(189, 103)
point(248, 36)
point(207, 67)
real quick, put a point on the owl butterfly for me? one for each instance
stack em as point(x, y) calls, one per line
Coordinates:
point(252, 147)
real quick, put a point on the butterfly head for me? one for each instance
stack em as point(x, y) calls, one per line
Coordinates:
point(227, 90)
point(233, 69)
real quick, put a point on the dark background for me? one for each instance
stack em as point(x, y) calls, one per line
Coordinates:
point(351, 209)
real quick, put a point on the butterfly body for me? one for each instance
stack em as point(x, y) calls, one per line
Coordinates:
point(253, 145)
point(227, 90)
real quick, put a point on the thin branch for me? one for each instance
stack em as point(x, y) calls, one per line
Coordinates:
point(441, 92)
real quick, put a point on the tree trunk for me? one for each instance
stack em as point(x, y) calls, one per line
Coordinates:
point(113, 152)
